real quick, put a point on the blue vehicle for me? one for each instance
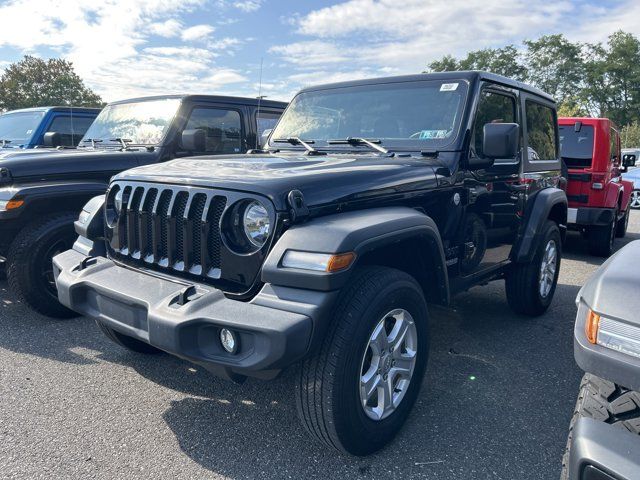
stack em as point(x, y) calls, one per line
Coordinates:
point(634, 176)
point(45, 126)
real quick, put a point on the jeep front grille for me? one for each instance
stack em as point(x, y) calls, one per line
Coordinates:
point(170, 228)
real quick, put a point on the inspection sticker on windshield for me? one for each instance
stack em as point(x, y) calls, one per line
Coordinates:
point(448, 87)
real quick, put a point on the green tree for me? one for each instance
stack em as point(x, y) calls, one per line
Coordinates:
point(630, 135)
point(556, 66)
point(503, 61)
point(34, 82)
point(613, 78)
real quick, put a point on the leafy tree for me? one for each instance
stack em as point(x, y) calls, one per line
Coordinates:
point(613, 78)
point(503, 61)
point(34, 82)
point(630, 135)
point(556, 66)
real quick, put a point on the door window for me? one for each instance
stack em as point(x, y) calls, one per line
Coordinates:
point(222, 129)
point(71, 129)
point(541, 128)
point(493, 107)
point(266, 121)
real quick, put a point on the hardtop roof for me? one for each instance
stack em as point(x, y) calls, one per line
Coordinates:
point(469, 75)
point(207, 98)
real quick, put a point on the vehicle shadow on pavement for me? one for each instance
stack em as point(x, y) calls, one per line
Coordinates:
point(575, 247)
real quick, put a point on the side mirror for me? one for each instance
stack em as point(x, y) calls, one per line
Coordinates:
point(500, 140)
point(264, 137)
point(628, 160)
point(194, 140)
point(52, 139)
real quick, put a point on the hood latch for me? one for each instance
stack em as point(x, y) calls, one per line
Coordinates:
point(298, 208)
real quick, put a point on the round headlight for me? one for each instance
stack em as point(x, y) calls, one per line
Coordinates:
point(257, 224)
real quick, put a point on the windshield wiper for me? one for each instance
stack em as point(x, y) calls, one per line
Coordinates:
point(304, 143)
point(123, 141)
point(93, 141)
point(371, 143)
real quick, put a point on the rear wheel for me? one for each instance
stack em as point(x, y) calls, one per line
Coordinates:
point(607, 402)
point(600, 239)
point(29, 263)
point(126, 341)
point(635, 199)
point(530, 286)
point(623, 223)
point(355, 394)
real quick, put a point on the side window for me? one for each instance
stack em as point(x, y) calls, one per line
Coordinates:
point(266, 121)
point(223, 129)
point(71, 129)
point(493, 107)
point(541, 129)
point(613, 145)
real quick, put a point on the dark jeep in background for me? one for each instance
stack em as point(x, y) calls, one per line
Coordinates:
point(604, 435)
point(44, 127)
point(370, 199)
point(41, 191)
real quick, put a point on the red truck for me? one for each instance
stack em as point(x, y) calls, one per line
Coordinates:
point(598, 197)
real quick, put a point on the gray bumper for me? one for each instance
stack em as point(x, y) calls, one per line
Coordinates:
point(600, 447)
point(275, 329)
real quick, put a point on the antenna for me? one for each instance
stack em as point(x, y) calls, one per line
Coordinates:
point(259, 100)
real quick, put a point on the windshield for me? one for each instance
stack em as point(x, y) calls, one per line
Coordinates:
point(19, 127)
point(576, 148)
point(412, 115)
point(144, 123)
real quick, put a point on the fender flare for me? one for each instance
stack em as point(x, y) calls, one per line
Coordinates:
point(74, 192)
point(361, 232)
point(541, 205)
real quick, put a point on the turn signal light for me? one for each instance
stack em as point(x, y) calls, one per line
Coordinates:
point(340, 262)
point(591, 327)
point(10, 204)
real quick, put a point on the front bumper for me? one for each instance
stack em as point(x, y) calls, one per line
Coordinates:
point(586, 216)
point(275, 329)
point(600, 451)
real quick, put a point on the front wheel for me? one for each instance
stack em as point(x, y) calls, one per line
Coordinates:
point(355, 394)
point(29, 263)
point(635, 199)
point(530, 286)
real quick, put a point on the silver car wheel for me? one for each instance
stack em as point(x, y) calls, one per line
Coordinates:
point(548, 267)
point(635, 199)
point(388, 364)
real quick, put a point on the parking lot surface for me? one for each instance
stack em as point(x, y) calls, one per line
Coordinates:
point(495, 403)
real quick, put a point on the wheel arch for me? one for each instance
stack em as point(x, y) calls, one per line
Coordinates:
point(398, 237)
point(547, 204)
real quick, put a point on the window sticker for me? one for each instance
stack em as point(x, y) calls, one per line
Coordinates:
point(430, 134)
point(448, 87)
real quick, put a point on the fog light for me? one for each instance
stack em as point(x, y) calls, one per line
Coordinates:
point(228, 340)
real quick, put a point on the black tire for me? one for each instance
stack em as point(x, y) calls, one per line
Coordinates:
point(3, 271)
point(29, 268)
point(600, 238)
point(621, 226)
point(607, 402)
point(328, 387)
point(126, 341)
point(522, 281)
point(476, 235)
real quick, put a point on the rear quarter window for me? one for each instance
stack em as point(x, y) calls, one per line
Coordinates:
point(541, 129)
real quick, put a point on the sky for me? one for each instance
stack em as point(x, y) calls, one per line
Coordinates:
point(127, 48)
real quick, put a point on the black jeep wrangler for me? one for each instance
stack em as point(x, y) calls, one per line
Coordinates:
point(370, 199)
point(41, 191)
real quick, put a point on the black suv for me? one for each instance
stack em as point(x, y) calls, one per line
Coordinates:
point(370, 199)
point(41, 191)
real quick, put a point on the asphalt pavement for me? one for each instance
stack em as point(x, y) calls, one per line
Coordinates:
point(495, 403)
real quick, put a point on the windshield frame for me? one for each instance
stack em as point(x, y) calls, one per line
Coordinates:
point(394, 145)
point(85, 141)
point(36, 128)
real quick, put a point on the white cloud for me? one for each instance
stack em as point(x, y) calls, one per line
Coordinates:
point(169, 28)
point(197, 32)
point(309, 53)
point(248, 5)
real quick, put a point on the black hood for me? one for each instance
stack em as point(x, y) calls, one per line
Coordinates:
point(36, 163)
point(323, 180)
